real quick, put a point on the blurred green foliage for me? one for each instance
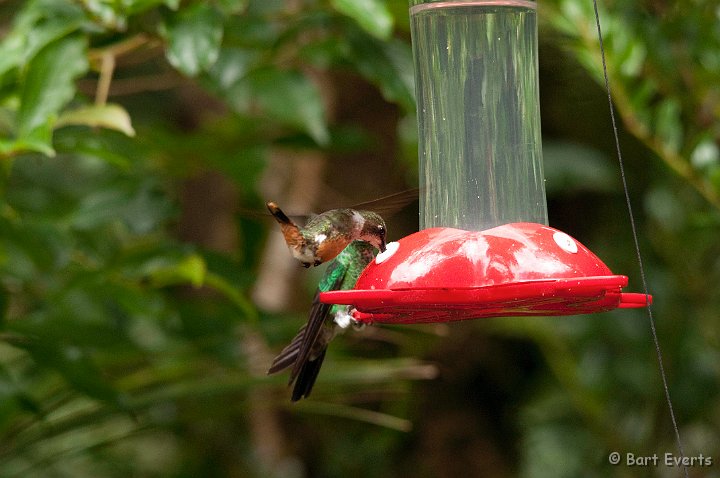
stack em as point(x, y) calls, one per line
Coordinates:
point(128, 348)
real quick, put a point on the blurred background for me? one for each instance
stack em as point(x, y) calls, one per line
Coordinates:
point(143, 292)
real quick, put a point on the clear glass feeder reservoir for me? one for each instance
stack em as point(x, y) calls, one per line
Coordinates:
point(476, 74)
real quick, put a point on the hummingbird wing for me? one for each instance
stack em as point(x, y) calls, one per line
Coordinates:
point(388, 205)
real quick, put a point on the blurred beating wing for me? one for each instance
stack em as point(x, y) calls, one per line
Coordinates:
point(385, 206)
point(389, 205)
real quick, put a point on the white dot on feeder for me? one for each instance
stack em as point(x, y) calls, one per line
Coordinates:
point(390, 249)
point(565, 242)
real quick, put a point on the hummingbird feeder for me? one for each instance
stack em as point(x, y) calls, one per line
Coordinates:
point(484, 248)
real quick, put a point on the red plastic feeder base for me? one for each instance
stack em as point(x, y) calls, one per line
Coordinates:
point(520, 269)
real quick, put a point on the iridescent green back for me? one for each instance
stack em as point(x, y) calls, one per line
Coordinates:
point(335, 221)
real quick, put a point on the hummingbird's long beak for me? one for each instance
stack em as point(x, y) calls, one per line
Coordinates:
point(382, 245)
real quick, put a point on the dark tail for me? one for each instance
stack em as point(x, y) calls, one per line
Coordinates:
point(303, 347)
point(308, 373)
point(306, 378)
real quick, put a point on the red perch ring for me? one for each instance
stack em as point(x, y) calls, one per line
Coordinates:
point(521, 269)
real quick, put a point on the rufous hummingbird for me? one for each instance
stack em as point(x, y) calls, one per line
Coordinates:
point(307, 350)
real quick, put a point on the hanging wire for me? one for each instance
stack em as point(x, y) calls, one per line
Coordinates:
point(637, 243)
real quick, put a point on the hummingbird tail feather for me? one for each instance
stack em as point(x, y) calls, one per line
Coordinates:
point(289, 354)
point(313, 328)
point(278, 213)
point(290, 231)
point(306, 379)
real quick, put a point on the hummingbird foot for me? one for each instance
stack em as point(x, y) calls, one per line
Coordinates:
point(344, 319)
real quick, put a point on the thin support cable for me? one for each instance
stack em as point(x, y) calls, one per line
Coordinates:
point(653, 330)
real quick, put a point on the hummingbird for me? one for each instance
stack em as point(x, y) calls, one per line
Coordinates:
point(307, 350)
point(327, 234)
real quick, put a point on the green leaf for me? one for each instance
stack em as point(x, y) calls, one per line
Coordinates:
point(49, 84)
point(668, 126)
point(386, 64)
point(233, 7)
point(194, 39)
point(189, 270)
point(39, 140)
point(633, 60)
point(229, 69)
point(13, 397)
point(76, 366)
point(108, 116)
point(4, 301)
point(372, 15)
point(666, 208)
point(139, 207)
point(570, 168)
point(290, 97)
point(39, 24)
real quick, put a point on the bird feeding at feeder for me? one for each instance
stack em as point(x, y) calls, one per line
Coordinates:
point(307, 350)
point(327, 234)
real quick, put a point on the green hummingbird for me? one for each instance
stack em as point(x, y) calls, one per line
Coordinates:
point(327, 234)
point(307, 350)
